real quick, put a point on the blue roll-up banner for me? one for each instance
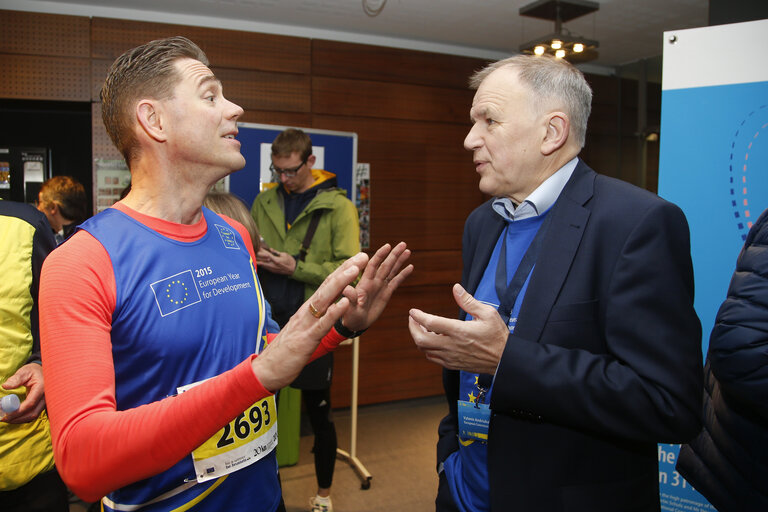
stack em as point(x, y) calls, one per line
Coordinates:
point(334, 151)
point(714, 165)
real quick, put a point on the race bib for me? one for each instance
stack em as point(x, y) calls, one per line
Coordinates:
point(246, 439)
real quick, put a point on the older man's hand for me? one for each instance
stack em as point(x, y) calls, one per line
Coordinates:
point(474, 346)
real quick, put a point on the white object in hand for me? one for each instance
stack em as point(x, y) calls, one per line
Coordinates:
point(9, 404)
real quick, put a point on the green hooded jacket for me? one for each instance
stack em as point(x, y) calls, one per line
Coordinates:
point(336, 239)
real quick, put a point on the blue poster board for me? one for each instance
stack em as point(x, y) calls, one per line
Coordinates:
point(713, 162)
point(335, 151)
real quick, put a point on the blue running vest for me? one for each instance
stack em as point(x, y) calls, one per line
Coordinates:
point(185, 312)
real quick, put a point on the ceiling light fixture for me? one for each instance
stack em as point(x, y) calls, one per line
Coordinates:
point(561, 43)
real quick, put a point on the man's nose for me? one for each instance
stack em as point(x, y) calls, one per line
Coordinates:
point(471, 141)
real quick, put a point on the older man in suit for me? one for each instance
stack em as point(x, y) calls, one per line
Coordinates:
point(578, 348)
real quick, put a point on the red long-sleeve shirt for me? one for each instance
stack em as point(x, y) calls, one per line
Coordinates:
point(98, 448)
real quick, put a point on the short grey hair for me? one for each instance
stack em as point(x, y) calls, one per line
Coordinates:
point(549, 78)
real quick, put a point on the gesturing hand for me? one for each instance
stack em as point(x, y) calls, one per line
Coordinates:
point(282, 360)
point(475, 346)
point(379, 281)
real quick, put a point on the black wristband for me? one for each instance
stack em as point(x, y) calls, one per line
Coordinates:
point(341, 329)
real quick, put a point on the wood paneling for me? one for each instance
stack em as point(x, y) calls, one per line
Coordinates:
point(380, 64)
point(258, 90)
point(365, 98)
point(26, 33)
point(224, 48)
point(434, 268)
point(410, 110)
point(99, 70)
point(45, 78)
point(391, 367)
point(252, 90)
point(278, 118)
point(423, 183)
point(101, 143)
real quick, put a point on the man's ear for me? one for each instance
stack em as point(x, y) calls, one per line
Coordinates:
point(558, 130)
point(311, 161)
point(150, 120)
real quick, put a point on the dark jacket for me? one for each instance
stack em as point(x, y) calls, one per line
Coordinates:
point(728, 461)
point(605, 360)
point(25, 241)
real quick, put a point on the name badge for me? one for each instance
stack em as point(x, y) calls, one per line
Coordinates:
point(474, 420)
point(251, 436)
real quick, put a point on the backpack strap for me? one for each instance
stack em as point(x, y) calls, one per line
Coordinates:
point(310, 233)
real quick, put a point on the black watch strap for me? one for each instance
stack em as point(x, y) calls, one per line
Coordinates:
point(341, 329)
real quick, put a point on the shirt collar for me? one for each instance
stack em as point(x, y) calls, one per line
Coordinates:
point(540, 199)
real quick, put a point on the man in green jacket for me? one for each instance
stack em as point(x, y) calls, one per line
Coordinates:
point(308, 228)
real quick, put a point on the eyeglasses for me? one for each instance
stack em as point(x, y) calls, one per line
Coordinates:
point(288, 173)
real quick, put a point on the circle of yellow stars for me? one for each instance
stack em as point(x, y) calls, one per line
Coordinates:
point(168, 291)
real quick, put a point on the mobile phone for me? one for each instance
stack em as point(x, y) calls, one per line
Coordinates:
point(263, 243)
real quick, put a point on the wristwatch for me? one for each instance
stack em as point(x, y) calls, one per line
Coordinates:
point(341, 329)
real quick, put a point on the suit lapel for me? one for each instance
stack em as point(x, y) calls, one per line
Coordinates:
point(569, 220)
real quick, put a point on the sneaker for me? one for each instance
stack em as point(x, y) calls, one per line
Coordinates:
point(320, 504)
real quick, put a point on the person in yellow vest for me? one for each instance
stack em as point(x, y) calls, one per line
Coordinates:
point(29, 481)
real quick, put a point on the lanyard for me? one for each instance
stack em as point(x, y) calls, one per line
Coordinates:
point(507, 293)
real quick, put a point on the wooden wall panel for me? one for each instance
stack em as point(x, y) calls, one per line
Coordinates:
point(257, 90)
point(361, 98)
point(434, 268)
point(99, 69)
point(278, 118)
point(604, 119)
point(423, 183)
point(410, 111)
point(224, 48)
point(252, 90)
point(27, 33)
point(380, 64)
point(391, 367)
point(600, 153)
point(45, 78)
point(101, 143)
point(605, 89)
point(423, 186)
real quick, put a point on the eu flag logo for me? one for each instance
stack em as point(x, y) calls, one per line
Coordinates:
point(175, 292)
point(227, 237)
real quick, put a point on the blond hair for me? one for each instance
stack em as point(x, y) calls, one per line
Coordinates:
point(230, 205)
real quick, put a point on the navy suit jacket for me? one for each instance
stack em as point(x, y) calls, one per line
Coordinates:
point(605, 360)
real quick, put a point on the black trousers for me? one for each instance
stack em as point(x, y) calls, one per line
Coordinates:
point(44, 493)
point(444, 501)
point(317, 403)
